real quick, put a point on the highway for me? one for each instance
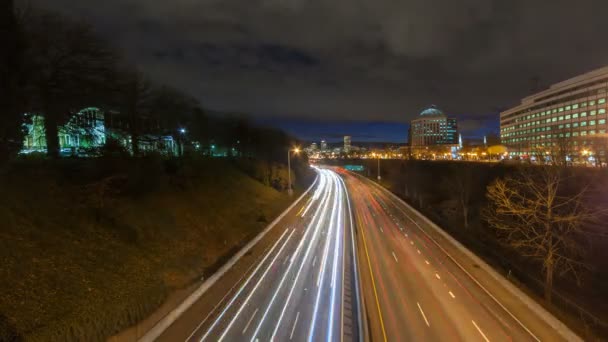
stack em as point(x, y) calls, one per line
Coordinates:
point(413, 291)
point(301, 287)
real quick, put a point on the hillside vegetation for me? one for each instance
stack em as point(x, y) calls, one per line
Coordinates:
point(90, 247)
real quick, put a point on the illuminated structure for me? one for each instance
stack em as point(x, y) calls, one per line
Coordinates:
point(323, 146)
point(87, 131)
point(572, 110)
point(347, 143)
point(432, 128)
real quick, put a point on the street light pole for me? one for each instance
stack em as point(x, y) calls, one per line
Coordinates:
point(379, 178)
point(289, 189)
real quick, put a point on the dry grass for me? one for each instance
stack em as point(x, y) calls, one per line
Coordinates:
point(84, 256)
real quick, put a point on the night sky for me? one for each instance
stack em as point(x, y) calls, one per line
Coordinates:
point(325, 68)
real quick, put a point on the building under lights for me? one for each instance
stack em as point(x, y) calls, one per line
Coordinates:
point(432, 127)
point(347, 146)
point(573, 110)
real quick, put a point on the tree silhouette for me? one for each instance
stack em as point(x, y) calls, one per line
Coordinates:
point(534, 214)
point(70, 69)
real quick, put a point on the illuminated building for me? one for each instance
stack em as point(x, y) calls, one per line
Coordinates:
point(572, 110)
point(347, 143)
point(323, 145)
point(432, 127)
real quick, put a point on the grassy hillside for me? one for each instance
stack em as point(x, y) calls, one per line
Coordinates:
point(90, 247)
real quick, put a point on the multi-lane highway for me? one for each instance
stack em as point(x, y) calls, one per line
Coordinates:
point(352, 262)
point(414, 291)
point(301, 287)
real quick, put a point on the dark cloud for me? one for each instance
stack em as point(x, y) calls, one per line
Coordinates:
point(365, 60)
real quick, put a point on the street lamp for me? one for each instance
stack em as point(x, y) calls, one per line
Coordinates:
point(377, 155)
point(296, 151)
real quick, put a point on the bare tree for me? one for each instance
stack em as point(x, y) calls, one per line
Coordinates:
point(460, 186)
point(539, 213)
point(70, 69)
point(12, 79)
point(137, 89)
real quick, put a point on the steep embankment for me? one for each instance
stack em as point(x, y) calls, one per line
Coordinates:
point(90, 247)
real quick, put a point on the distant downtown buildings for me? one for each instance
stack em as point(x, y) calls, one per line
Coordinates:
point(572, 110)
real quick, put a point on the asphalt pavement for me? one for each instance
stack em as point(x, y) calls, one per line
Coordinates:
point(413, 291)
point(300, 287)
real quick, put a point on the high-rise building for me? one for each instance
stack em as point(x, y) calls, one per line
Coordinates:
point(313, 146)
point(323, 146)
point(347, 143)
point(572, 110)
point(433, 127)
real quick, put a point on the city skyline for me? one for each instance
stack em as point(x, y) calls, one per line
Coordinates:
point(476, 58)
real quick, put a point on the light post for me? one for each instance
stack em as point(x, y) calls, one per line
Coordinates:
point(296, 151)
point(378, 155)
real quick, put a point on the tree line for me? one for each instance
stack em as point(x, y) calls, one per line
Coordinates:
point(53, 66)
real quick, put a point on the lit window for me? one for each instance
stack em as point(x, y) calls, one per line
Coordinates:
point(602, 111)
point(601, 121)
point(583, 132)
point(575, 106)
point(602, 131)
point(583, 123)
point(554, 110)
point(561, 126)
point(553, 119)
point(568, 107)
point(567, 125)
point(549, 120)
point(561, 118)
point(568, 117)
point(575, 115)
point(575, 134)
point(561, 109)
point(592, 132)
point(592, 123)
point(600, 101)
point(584, 104)
point(568, 134)
point(583, 114)
point(591, 103)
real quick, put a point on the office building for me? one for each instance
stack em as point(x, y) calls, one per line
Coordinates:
point(572, 110)
point(432, 127)
point(323, 146)
point(347, 143)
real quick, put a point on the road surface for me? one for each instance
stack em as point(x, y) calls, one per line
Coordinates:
point(300, 287)
point(413, 291)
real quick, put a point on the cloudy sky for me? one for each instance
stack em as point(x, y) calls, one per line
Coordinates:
point(364, 67)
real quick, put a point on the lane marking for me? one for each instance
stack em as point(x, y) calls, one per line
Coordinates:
point(454, 243)
point(369, 264)
point(286, 260)
point(325, 204)
point(314, 261)
point(381, 229)
point(294, 325)
point(481, 332)
point(418, 251)
point(423, 315)
point(427, 262)
point(394, 256)
point(259, 265)
point(451, 294)
point(411, 242)
point(437, 275)
point(263, 276)
point(251, 319)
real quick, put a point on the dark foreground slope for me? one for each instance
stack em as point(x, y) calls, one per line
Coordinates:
point(88, 248)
